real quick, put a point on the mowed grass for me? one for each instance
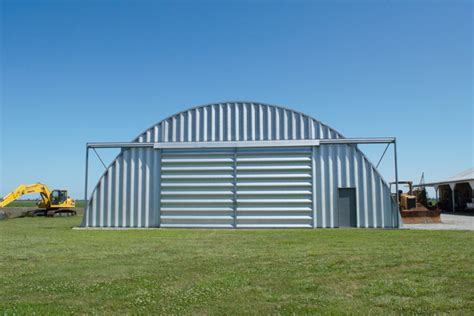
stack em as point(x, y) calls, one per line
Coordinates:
point(48, 268)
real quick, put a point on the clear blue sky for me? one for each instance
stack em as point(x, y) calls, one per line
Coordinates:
point(79, 71)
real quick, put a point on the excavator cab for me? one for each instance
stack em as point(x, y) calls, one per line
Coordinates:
point(58, 197)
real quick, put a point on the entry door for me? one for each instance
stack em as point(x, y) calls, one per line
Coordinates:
point(347, 207)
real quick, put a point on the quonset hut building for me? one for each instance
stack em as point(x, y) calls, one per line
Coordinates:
point(240, 165)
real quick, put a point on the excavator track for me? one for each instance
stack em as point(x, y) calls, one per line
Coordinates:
point(53, 213)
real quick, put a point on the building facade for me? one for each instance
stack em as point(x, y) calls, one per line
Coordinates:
point(241, 165)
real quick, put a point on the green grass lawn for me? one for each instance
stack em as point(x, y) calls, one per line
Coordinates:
point(31, 203)
point(46, 267)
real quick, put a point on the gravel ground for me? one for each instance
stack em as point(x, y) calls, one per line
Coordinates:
point(448, 221)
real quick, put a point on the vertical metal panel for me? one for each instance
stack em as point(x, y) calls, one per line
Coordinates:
point(129, 192)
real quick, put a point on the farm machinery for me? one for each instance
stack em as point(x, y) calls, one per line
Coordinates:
point(52, 202)
point(413, 204)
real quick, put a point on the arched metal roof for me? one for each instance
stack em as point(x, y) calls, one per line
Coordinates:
point(237, 121)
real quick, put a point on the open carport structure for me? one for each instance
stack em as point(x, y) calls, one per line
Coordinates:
point(241, 165)
point(455, 193)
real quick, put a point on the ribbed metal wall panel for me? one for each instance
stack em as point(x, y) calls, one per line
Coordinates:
point(197, 188)
point(273, 187)
point(129, 194)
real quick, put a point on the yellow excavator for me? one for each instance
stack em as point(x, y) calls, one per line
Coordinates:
point(52, 202)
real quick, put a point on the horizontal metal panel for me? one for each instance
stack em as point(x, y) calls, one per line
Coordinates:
point(196, 160)
point(275, 184)
point(274, 217)
point(196, 185)
point(196, 208)
point(195, 225)
point(264, 203)
point(275, 192)
point(256, 175)
point(196, 193)
point(195, 217)
point(210, 168)
point(195, 176)
point(291, 208)
point(273, 225)
point(193, 199)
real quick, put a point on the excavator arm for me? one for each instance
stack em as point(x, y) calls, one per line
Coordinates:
point(23, 189)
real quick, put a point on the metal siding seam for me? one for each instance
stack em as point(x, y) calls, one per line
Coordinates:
point(189, 115)
point(229, 122)
point(101, 209)
point(147, 186)
point(205, 125)
point(157, 156)
point(332, 184)
point(323, 182)
point(339, 169)
point(253, 124)
point(173, 129)
point(374, 197)
point(237, 123)
point(117, 191)
point(139, 161)
point(286, 123)
point(313, 182)
point(142, 208)
point(261, 123)
point(245, 120)
point(277, 129)
point(125, 187)
point(365, 196)
point(132, 187)
point(109, 196)
point(180, 127)
point(347, 152)
point(197, 119)
point(355, 160)
point(377, 201)
point(269, 122)
point(184, 123)
point(369, 189)
point(221, 122)
point(165, 131)
point(382, 203)
point(94, 208)
point(294, 127)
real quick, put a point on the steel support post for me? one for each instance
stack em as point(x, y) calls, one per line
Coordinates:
point(396, 181)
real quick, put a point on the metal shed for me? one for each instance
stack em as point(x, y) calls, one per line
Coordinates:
point(240, 165)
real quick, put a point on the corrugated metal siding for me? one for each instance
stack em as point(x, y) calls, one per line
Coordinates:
point(127, 194)
point(138, 191)
point(237, 121)
point(273, 187)
point(197, 188)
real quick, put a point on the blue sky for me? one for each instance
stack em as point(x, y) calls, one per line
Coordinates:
point(79, 71)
